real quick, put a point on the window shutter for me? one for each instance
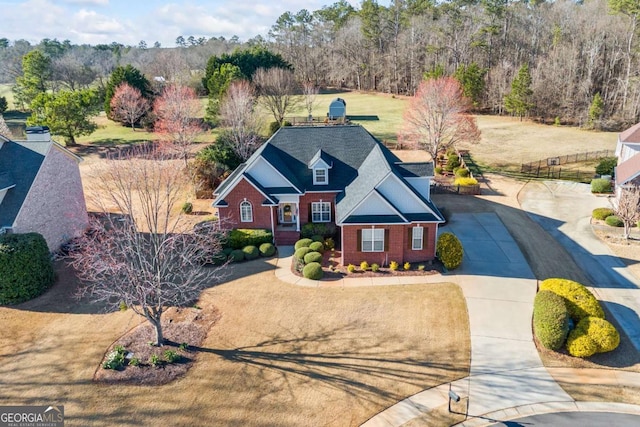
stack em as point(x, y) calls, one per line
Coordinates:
point(410, 238)
point(310, 219)
point(359, 240)
point(386, 239)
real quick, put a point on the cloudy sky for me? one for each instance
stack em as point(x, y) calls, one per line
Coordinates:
point(129, 21)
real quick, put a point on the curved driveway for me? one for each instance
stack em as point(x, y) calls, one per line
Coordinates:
point(563, 209)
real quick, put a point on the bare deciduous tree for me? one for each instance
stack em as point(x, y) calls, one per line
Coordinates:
point(437, 119)
point(277, 89)
point(238, 114)
point(310, 92)
point(628, 208)
point(128, 105)
point(177, 110)
point(144, 256)
point(4, 129)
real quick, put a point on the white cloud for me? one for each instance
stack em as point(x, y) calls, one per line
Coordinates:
point(96, 2)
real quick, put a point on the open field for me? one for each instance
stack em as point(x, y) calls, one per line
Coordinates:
point(280, 355)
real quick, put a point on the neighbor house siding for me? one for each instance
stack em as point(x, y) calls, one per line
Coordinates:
point(231, 213)
point(55, 206)
point(398, 246)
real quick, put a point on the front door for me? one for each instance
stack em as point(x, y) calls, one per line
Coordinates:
point(287, 213)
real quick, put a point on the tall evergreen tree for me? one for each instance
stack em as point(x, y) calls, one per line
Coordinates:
point(471, 79)
point(130, 75)
point(36, 75)
point(518, 101)
point(595, 110)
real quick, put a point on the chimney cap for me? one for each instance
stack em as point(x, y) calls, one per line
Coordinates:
point(37, 129)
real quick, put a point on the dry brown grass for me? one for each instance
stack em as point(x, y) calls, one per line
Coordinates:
point(279, 355)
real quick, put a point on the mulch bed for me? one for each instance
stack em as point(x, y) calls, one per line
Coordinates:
point(333, 270)
point(180, 325)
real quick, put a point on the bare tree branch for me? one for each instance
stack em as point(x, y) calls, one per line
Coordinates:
point(238, 114)
point(277, 89)
point(628, 208)
point(128, 105)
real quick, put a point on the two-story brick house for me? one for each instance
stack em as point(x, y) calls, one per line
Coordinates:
point(340, 175)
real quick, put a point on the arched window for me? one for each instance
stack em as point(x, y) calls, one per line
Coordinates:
point(246, 212)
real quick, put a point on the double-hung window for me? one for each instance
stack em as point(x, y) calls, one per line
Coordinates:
point(373, 240)
point(246, 212)
point(320, 176)
point(416, 238)
point(321, 212)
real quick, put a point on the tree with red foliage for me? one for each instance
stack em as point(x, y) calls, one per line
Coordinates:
point(128, 105)
point(176, 111)
point(437, 117)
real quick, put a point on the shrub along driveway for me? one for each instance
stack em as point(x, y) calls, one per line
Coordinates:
point(280, 355)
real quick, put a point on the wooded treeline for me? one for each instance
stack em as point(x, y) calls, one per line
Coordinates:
point(574, 51)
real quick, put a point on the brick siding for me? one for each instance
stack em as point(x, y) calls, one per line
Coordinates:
point(231, 213)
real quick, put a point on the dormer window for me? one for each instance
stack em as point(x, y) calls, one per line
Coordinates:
point(320, 176)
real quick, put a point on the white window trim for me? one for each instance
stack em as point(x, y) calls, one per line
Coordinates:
point(417, 230)
point(315, 176)
point(245, 202)
point(317, 209)
point(373, 239)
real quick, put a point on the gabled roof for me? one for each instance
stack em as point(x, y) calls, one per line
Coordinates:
point(359, 162)
point(21, 165)
point(631, 135)
point(628, 170)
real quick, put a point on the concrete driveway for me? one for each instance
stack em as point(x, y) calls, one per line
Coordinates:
point(564, 209)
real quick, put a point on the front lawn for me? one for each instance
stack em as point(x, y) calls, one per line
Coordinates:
point(279, 355)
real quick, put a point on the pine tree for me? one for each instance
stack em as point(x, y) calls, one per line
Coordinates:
point(518, 101)
point(595, 110)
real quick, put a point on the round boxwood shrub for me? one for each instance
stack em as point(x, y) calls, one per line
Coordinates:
point(187, 208)
point(312, 271)
point(614, 221)
point(300, 253)
point(26, 270)
point(227, 251)
point(580, 345)
point(313, 257)
point(219, 258)
point(317, 246)
point(236, 255)
point(579, 301)
point(462, 172)
point(250, 252)
point(267, 249)
point(302, 243)
point(592, 335)
point(602, 213)
point(600, 185)
point(449, 250)
point(550, 319)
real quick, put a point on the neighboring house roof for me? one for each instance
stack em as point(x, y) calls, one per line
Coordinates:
point(631, 135)
point(21, 165)
point(359, 164)
point(628, 170)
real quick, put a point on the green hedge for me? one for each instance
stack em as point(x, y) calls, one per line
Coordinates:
point(449, 250)
point(267, 249)
point(236, 255)
point(250, 252)
point(240, 237)
point(302, 243)
point(550, 319)
point(26, 270)
point(600, 185)
point(592, 335)
point(313, 257)
point(312, 271)
point(614, 221)
point(311, 229)
point(579, 301)
point(602, 213)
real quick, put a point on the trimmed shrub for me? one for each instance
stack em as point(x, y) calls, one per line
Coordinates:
point(614, 221)
point(550, 319)
point(300, 253)
point(351, 268)
point(603, 333)
point(462, 172)
point(312, 271)
point(240, 237)
point(579, 301)
point(187, 208)
point(313, 257)
point(394, 266)
point(407, 266)
point(464, 182)
point(580, 345)
point(26, 270)
point(267, 249)
point(602, 213)
point(302, 243)
point(311, 230)
point(236, 255)
point(364, 266)
point(219, 258)
point(438, 170)
point(600, 185)
point(250, 252)
point(317, 246)
point(607, 166)
point(317, 238)
point(449, 250)
point(227, 251)
point(375, 267)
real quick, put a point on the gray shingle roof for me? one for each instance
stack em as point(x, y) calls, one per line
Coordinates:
point(22, 165)
point(414, 169)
